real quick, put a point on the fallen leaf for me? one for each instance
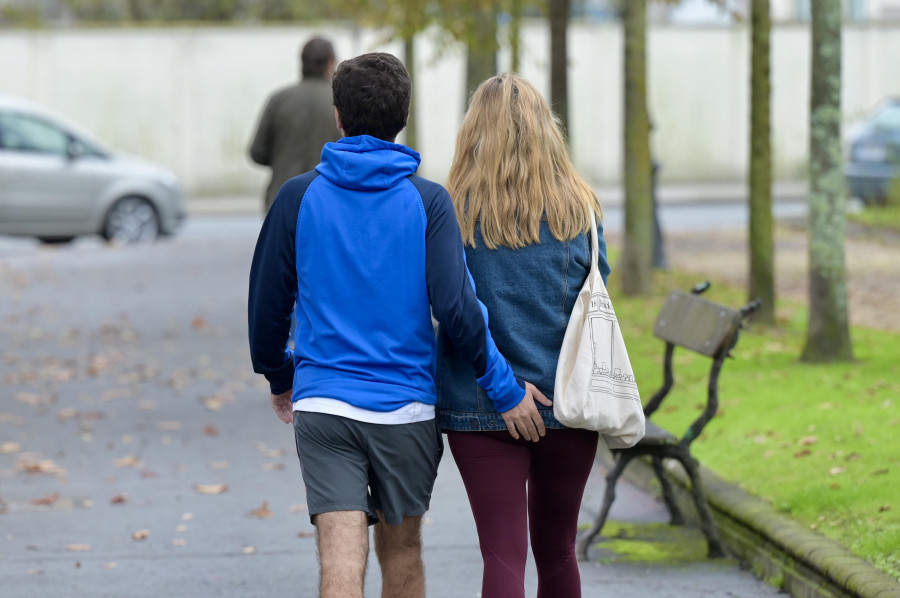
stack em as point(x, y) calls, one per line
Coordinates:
point(219, 465)
point(248, 550)
point(78, 547)
point(853, 457)
point(179, 542)
point(836, 470)
point(8, 448)
point(111, 565)
point(881, 471)
point(273, 466)
point(198, 323)
point(78, 564)
point(884, 508)
point(148, 474)
point(808, 440)
point(803, 453)
point(45, 466)
point(141, 534)
point(67, 414)
point(47, 500)
point(305, 534)
point(263, 512)
point(298, 508)
point(835, 486)
point(169, 426)
point(210, 488)
point(129, 461)
point(210, 430)
point(119, 499)
point(29, 398)
point(213, 404)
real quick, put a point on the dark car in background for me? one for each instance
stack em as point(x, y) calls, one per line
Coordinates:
point(873, 162)
point(57, 182)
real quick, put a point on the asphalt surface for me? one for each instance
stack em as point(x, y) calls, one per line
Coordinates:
point(139, 456)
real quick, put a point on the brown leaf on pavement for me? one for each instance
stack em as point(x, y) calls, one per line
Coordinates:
point(67, 413)
point(118, 499)
point(129, 461)
point(263, 512)
point(141, 534)
point(46, 501)
point(43, 466)
point(198, 323)
point(306, 534)
point(78, 547)
point(8, 448)
point(210, 488)
point(210, 430)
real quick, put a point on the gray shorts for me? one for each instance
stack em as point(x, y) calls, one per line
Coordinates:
point(350, 465)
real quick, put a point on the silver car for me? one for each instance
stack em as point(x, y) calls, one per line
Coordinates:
point(57, 182)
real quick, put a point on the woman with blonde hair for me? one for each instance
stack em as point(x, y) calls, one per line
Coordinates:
point(525, 216)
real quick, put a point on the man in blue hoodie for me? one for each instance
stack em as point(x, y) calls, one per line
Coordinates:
point(364, 247)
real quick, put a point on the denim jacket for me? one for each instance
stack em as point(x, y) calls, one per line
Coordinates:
point(529, 294)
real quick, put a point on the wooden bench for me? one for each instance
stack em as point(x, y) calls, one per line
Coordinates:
point(689, 321)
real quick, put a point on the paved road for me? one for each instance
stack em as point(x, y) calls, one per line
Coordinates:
point(125, 385)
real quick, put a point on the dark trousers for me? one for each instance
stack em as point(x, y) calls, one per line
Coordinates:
point(515, 487)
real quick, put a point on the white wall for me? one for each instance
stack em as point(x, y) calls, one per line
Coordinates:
point(189, 97)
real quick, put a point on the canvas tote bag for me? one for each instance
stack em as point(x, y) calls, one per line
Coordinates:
point(595, 387)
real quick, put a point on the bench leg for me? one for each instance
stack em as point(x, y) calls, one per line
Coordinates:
point(706, 520)
point(608, 496)
point(675, 516)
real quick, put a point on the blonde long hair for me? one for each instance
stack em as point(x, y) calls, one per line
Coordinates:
point(511, 168)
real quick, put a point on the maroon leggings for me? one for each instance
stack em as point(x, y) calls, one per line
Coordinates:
point(495, 469)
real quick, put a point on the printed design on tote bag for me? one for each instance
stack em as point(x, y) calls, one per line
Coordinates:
point(611, 372)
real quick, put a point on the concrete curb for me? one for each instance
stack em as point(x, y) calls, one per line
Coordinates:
point(779, 549)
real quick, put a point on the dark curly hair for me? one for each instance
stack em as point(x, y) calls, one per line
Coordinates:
point(372, 94)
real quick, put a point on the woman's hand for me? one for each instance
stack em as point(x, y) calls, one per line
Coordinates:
point(524, 418)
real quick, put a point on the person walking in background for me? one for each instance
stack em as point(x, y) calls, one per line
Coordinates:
point(524, 213)
point(297, 120)
point(365, 247)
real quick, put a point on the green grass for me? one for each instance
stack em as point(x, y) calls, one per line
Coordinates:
point(818, 442)
point(885, 217)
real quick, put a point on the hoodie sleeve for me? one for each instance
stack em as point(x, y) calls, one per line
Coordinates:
point(273, 288)
point(451, 291)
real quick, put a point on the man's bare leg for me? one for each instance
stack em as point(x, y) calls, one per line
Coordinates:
point(399, 551)
point(343, 541)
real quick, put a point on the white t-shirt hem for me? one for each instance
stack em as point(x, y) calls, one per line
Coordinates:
point(408, 414)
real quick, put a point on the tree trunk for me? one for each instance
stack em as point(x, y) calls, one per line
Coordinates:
point(515, 34)
point(409, 54)
point(828, 335)
point(762, 252)
point(637, 253)
point(481, 60)
point(559, 79)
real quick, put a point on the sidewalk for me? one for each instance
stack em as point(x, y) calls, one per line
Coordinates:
point(676, 193)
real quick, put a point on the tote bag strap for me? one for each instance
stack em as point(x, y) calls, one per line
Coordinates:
point(595, 243)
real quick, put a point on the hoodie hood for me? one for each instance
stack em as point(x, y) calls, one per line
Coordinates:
point(366, 163)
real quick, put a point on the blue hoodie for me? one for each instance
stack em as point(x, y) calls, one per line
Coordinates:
point(364, 247)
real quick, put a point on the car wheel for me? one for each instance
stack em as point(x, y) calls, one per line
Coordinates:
point(131, 220)
point(55, 240)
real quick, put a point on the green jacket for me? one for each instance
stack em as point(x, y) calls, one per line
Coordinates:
point(295, 124)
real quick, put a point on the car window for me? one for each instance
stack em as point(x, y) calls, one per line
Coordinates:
point(888, 117)
point(19, 132)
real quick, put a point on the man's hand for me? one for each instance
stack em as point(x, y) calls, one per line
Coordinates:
point(524, 418)
point(283, 407)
